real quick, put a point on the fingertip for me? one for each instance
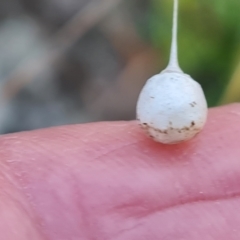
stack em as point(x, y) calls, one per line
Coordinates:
point(94, 139)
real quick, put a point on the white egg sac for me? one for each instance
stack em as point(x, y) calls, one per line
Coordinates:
point(172, 107)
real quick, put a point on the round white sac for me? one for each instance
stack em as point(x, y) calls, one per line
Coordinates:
point(172, 107)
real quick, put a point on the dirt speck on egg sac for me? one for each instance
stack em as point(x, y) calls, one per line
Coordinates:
point(193, 104)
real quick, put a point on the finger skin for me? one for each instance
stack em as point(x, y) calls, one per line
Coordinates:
point(109, 181)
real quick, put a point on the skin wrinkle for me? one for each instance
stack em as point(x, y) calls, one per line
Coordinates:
point(86, 218)
point(216, 224)
point(174, 219)
point(113, 151)
point(125, 230)
point(17, 180)
point(164, 209)
point(58, 199)
point(13, 187)
point(173, 173)
point(196, 194)
point(43, 147)
point(25, 204)
point(10, 195)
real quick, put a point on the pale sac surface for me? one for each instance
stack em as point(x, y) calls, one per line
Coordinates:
point(172, 107)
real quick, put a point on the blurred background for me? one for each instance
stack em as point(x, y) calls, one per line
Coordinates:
point(76, 61)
